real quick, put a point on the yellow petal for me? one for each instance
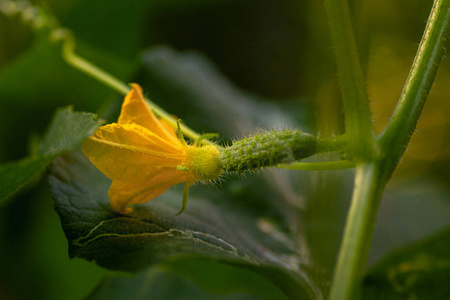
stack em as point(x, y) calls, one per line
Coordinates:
point(170, 128)
point(136, 111)
point(122, 194)
point(131, 153)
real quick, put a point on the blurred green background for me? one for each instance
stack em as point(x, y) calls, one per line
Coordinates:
point(277, 51)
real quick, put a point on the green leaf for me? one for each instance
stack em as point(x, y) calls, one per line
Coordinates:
point(193, 279)
point(418, 271)
point(67, 129)
point(246, 222)
point(209, 229)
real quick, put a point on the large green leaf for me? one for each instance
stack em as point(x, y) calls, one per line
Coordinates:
point(67, 129)
point(209, 229)
point(250, 222)
point(418, 271)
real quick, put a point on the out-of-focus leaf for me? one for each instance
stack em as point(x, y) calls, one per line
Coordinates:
point(189, 85)
point(159, 283)
point(411, 221)
point(418, 271)
point(256, 62)
point(28, 225)
point(153, 234)
point(14, 176)
point(117, 29)
point(67, 129)
point(39, 81)
point(410, 211)
point(218, 278)
point(57, 83)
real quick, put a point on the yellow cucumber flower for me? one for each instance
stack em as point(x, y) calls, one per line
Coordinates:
point(144, 157)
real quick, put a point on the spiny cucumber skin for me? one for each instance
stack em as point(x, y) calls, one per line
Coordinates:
point(267, 149)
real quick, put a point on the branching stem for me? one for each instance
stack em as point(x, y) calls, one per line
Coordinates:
point(373, 174)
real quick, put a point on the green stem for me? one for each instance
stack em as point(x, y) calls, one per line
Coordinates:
point(403, 122)
point(337, 143)
point(357, 236)
point(319, 166)
point(358, 125)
